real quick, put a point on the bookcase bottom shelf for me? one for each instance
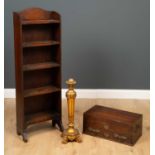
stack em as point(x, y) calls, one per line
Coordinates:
point(40, 117)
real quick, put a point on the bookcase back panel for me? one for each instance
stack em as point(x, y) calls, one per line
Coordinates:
point(41, 78)
point(37, 33)
point(41, 103)
point(41, 54)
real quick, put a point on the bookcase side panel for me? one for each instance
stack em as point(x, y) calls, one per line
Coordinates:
point(18, 73)
point(57, 36)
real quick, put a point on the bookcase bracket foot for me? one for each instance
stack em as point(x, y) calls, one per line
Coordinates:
point(60, 125)
point(25, 137)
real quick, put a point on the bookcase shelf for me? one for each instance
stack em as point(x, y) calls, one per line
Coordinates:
point(38, 66)
point(41, 91)
point(40, 117)
point(33, 22)
point(37, 42)
point(40, 43)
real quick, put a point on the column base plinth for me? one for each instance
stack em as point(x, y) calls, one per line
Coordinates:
point(71, 135)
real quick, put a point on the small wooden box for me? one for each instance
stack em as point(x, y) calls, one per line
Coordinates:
point(116, 125)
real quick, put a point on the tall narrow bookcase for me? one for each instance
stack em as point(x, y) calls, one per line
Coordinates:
point(37, 44)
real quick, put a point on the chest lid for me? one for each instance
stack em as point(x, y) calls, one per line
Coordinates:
point(100, 112)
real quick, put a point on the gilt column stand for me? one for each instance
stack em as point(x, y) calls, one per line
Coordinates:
point(71, 134)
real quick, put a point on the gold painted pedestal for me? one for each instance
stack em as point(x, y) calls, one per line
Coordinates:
point(71, 134)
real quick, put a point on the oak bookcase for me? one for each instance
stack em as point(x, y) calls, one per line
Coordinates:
point(37, 44)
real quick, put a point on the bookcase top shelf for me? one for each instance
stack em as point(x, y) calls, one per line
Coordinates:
point(41, 21)
point(40, 43)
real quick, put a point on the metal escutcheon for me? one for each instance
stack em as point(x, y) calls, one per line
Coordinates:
point(105, 126)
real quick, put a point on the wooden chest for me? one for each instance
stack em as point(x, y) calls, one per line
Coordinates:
point(116, 125)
